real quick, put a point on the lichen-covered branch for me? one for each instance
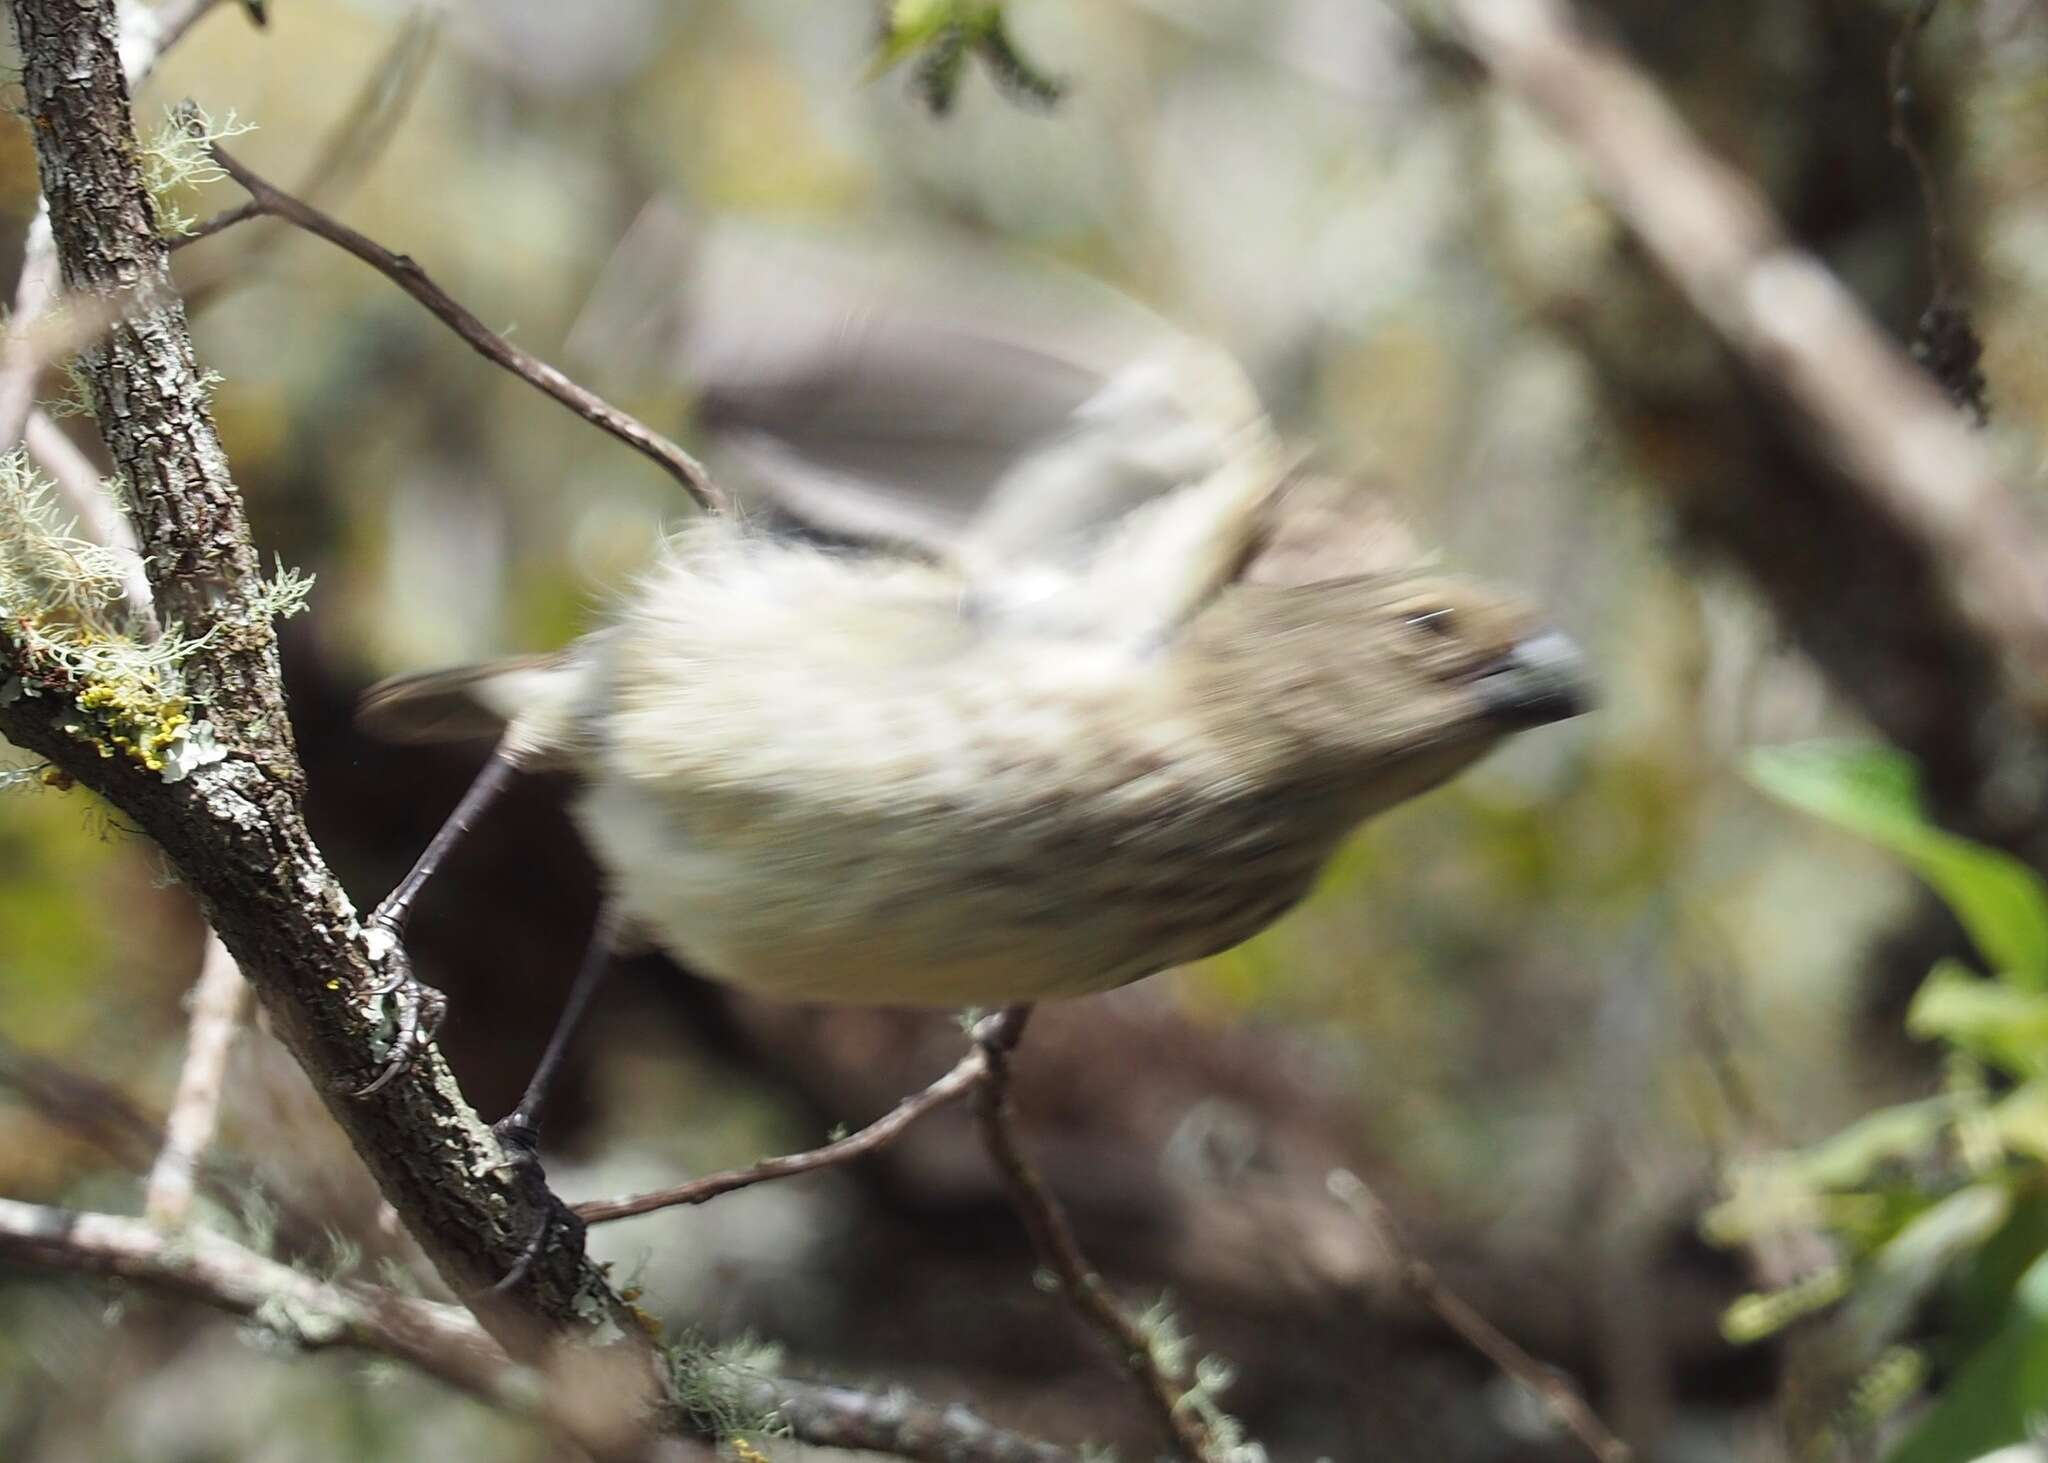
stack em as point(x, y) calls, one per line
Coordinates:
point(445, 1342)
point(442, 1341)
point(234, 826)
point(892, 1422)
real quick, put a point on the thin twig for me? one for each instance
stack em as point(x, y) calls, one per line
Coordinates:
point(408, 276)
point(1545, 1382)
point(350, 150)
point(879, 1134)
point(220, 1003)
point(984, 1074)
point(206, 228)
point(1052, 1237)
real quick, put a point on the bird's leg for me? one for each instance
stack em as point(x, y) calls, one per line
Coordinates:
point(421, 1007)
point(519, 1130)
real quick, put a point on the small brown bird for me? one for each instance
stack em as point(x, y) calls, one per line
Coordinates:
point(1116, 720)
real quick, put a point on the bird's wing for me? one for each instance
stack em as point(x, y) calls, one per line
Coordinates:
point(871, 389)
point(1082, 461)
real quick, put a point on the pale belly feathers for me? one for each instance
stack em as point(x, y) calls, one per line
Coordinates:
point(838, 821)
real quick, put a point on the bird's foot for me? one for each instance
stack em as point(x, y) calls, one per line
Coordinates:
point(417, 1009)
point(519, 1136)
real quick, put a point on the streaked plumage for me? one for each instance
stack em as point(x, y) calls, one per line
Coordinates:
point(1055, 755)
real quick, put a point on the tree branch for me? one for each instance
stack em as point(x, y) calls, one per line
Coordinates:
point(893, 1422)
point(274, 202)
point(146, 34)
point(220, 1000)
point(442, 1341)
point(235, 828)
point(445, 1342)
point(1794, 325)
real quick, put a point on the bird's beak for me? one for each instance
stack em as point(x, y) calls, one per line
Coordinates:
point(1541, 680)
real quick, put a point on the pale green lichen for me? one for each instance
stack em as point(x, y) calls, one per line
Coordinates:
point(1169, 1349)
point(75, 399)
point(65, 619)
point(179, 156)
point(719, 1386)
point(42, 561)
point(69, 633)
point(281, 596)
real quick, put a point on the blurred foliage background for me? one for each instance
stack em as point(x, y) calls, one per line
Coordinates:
point(1552, 1014)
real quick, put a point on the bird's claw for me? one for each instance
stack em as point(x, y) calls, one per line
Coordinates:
point(417, 1008)
point(519, 1138)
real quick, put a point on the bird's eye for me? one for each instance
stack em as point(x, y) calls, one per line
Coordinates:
point(1439, 623)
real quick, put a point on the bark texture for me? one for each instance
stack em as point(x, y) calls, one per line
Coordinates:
point(235, 829)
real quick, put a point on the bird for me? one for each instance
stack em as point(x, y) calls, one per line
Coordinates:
point(1109, 708)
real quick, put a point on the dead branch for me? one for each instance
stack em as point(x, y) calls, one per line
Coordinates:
point(445, 1342)
point(220, 1001)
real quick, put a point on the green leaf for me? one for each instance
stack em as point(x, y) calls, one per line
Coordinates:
point(1997, 1392)
point(1874, 790)
point(1993, 1021)
point(1851, 1157)
point(1914, 1261)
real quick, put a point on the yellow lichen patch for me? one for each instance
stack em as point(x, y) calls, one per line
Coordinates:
point(132, 720)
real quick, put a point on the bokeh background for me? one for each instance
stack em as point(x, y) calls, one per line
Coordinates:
point(1544, 1013)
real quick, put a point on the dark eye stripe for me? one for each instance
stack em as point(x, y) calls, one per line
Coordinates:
point(1435, 622)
